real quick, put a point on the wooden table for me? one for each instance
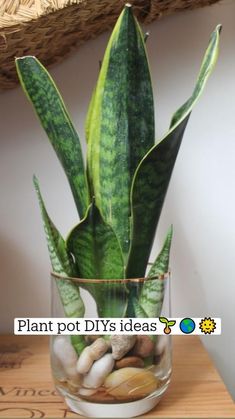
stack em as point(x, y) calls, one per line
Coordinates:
point(26, 388)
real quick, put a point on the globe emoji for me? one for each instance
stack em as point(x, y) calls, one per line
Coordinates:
point(187, 325)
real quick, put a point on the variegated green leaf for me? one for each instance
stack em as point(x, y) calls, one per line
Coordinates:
point(153, 174)
point(161, 264)
point(98, 255)
point(138, 309)
point(62, 264)
point(152, 293)
point(49, 106)
point(89, 115)
point(120, 124)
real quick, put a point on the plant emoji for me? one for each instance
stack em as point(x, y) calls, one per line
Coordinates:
point(168, 323)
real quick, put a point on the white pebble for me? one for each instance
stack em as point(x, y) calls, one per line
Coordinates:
point(90, 354)
point(85, 361)
point(99, 371)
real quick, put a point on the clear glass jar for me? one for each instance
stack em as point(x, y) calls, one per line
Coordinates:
point(114, 375)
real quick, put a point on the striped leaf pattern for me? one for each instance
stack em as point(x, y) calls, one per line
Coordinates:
point(62, 263)
point(138, 309)
point(153, 174)
point(120, 123)
point(54, 117)
point(152, 293)
point(98, 256)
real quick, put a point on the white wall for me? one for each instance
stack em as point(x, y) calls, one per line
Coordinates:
point(200, 200)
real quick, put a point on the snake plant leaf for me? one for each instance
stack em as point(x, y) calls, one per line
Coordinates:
point(153, 174)
point(120, 124)
point(62, 263)
point(98, 255)
point(161, 264)
point(89, 115)
point(151, 296)
point(153, 290)
point(138, 310)
point(53, 115)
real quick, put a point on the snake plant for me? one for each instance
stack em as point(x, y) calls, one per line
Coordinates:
point(120, 191)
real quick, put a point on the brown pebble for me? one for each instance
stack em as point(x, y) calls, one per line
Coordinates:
point(129, 361)
point(137, 382)
point(144, 346)
point(91, 338)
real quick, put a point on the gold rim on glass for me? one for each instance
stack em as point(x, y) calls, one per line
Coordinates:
point(119, 281)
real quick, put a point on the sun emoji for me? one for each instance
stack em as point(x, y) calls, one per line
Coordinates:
point(207, 325)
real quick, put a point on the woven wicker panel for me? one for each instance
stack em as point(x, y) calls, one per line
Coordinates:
point(50, 29)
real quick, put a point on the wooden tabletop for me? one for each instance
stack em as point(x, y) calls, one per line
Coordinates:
point(27, 391)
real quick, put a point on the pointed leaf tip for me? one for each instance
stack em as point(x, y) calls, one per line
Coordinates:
point(219, 27)
point(146, 35)
point(170, 231)
point(36, 184)
point(35, 180)
point(17, 59)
